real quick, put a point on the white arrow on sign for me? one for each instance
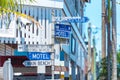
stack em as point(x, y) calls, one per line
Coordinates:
point(37, 62)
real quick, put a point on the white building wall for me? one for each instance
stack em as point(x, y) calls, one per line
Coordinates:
point(33, 34)
point(45, 3)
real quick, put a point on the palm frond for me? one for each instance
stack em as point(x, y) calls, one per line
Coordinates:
point(9, 6)
point(21, 15)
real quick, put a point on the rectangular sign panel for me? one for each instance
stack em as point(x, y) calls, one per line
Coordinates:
point(62, 30)
point(62, 34)
point(62, 27)
point(37, 62)
point(39, 55)
point(40, 48)
point(35, 48)
point(72, 19)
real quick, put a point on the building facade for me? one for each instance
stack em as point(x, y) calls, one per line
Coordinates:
point(22, 32)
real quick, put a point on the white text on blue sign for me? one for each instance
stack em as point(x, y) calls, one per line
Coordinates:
point(39, 55)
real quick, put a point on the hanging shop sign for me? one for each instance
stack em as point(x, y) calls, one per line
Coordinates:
point(62, 30)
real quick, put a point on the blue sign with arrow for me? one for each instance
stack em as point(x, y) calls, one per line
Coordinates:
point(39, 55)
point(62, 30)
point(72, 19)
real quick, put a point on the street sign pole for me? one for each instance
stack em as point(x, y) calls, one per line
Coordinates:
point(53, 54)
point(53, 64)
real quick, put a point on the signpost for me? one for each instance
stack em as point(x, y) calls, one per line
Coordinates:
point(39, 55)
point(62, 30)
point(28, 63)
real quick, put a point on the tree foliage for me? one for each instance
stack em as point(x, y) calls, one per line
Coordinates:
point(118, 64)
point(10, 6)
point(103, 70)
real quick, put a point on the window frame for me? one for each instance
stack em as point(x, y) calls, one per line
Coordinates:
point(73, 44)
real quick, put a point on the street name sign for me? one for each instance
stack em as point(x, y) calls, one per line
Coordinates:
point(71, 19)
point(40, 48)
point(62, 30)
point(39, 55)
point(28, 63)
point(35, 48)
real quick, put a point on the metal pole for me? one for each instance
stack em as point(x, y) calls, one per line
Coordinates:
point(53, 54)
point(53, 63)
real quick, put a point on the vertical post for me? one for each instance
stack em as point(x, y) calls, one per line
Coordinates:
point(66, 62)
point(53, 54)
point(103, 30)
point(53, 63)
point(108, 41)
point(94, 56)
point(114, 40)
point(89, 50)
point(73, 71)
point(108, 52)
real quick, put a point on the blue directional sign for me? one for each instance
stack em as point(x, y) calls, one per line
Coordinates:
point(39, 55)
point(72, 19)
point(62, 30)
point(28, 63)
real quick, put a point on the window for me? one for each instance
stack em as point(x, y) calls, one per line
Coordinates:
point(73, 44)
point(76, 5)
point(48, 70)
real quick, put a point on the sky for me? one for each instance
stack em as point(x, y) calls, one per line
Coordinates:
point(93, 12)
